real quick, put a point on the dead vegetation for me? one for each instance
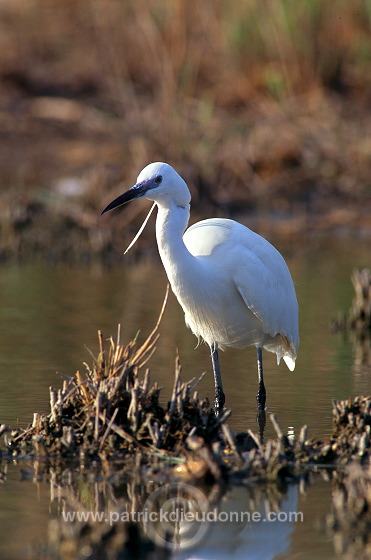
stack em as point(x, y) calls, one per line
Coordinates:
point(350, 520)
point(360, 312)
point(113, 413)
point(357, 322)
point(113, 410)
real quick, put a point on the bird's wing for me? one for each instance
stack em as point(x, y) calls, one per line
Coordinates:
point(264, 283)
point(204, 237)
point(257, 269)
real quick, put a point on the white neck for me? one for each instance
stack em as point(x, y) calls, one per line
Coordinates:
point(171, 223)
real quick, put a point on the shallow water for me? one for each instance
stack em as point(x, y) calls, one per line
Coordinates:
point(27, 506)
point(48, 314)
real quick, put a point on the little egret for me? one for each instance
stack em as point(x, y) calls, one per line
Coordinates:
point(234, 286)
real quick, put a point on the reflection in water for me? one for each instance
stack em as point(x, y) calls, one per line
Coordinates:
point(33, 505)
point(244, 522)
point(248, 525)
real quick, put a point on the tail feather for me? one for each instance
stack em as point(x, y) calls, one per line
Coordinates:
point(289, 362)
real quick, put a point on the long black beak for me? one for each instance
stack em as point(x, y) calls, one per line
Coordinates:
point(137, 191)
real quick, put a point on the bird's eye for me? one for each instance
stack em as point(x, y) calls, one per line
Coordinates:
point(158, 179)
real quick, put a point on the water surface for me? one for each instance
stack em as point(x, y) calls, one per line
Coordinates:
point(49, 315)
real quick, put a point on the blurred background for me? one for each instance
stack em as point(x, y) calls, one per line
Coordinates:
point(261, 105)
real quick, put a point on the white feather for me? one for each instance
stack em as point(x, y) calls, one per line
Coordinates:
point(141, 228)
point(233, 285)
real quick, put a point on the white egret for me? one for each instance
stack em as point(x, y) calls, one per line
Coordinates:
point(234, 286)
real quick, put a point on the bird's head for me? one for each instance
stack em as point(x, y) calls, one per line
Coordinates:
point(158, 182)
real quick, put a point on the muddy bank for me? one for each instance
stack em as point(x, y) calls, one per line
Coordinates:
point(113, 411)
point(292, 173)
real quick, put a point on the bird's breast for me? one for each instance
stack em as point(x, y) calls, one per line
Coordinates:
point(213, 308)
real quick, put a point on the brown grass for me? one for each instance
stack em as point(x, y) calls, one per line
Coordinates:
point(222, 52)
point(261, 105)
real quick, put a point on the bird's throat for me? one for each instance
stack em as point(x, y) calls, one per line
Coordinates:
point(171, 224)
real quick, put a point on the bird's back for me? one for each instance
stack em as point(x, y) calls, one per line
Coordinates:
point(260, 276)
point(204, 237)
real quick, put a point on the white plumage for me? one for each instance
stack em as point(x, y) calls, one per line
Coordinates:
point(234, 286)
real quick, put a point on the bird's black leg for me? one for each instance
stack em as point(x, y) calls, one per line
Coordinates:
point(261, 394)
point(219, 393)
point(261, 421)
point(260, 397)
